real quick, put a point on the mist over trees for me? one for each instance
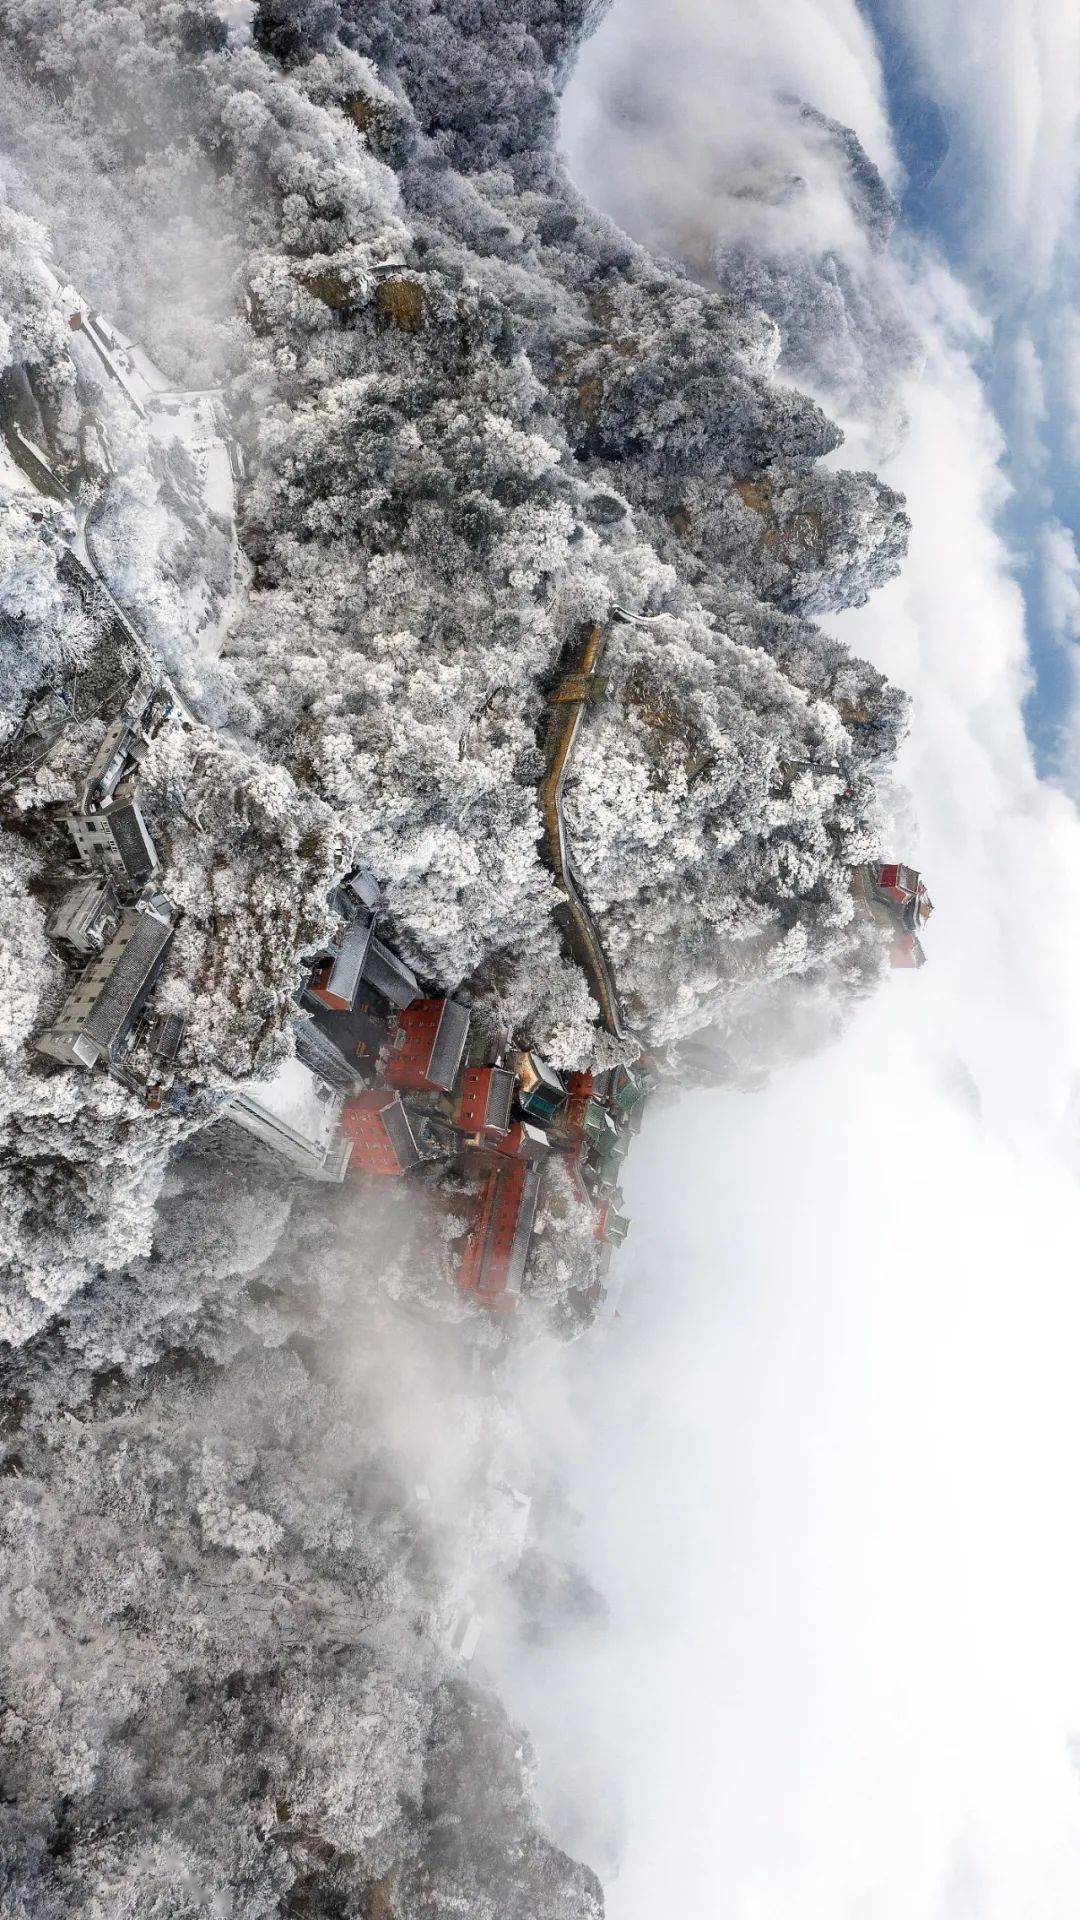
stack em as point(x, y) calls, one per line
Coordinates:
point(473, 416)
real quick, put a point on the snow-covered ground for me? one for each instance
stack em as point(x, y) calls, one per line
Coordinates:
point(12, 478)
point(292, 1095)
point(454, 463)
point(195, 421)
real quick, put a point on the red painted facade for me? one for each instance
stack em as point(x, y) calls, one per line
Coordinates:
point(520, 1142)
point(573, 1114)
point(472, 1110)
point(580, 1085)
point(415, 1033)
point(511, 1143)
point(362, 1123)
point(906, 951)
point(318, 989)
point(485, 1262)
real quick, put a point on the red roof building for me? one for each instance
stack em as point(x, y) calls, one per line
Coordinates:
point(906, 951)
point(523, 1142)
point(428, 1045)
point(496, 1254)
point(611, 1225)
point(483, 1099)
point(381, 1133)
point(335, 982)
point(582, 1118)
point(897, 899)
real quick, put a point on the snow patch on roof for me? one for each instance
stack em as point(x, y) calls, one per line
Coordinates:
point(292, 1094)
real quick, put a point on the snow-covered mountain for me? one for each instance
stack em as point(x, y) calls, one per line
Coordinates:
point(324, 389)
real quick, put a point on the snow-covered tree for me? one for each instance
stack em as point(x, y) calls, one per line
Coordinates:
point(473, 417)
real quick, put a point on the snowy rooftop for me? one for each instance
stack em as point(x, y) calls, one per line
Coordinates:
point(292, 1095)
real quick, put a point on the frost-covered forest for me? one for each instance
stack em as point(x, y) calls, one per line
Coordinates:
point(473, 417)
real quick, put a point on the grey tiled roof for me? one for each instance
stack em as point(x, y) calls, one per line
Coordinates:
point(133, 842)
point(111, 992)
point(366, 888)
point(446, 1054)
point(318, 1052)
point(348, 967)
point(400, 1134)
point(519, 1251)
point(500, 1099)
point(390, 976)
point(167, 1038)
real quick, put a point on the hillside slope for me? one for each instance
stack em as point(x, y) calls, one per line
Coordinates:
point(473, 419)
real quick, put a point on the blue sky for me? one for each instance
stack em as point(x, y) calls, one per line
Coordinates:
point(1029, 365)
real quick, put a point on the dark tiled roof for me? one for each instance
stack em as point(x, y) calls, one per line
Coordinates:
point(348, 967)
point(519, 1252)
point(390, 976)
point(319, 1052)
point(127, 979)
point(133, 842)
point(446, 1054)
point(501, 1098)
point(167, 1038)
point(400, 1134)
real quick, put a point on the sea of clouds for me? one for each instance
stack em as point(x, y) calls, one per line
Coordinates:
point(826, 1455)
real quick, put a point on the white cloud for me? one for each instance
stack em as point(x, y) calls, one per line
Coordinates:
point(1028, 373)
point(1068, 376)
point(1008, 74)
point(827, 1457)
point(1029, 403)
point(642, 124)
point(952, 631)
point(1060, 580)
